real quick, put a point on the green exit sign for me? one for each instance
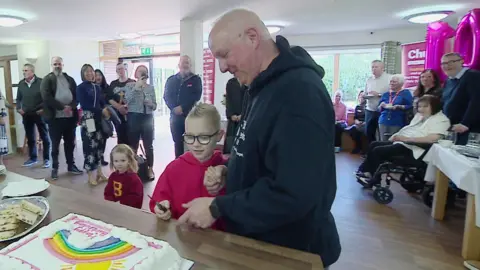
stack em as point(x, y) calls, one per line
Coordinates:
point(146, 50)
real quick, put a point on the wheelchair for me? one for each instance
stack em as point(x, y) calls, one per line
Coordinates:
point(411, 178)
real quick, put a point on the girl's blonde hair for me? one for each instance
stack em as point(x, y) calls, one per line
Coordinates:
point(128, 152)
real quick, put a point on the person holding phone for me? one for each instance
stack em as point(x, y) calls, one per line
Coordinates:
point(141, 102)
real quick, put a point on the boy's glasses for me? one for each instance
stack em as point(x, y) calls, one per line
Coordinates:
point(202, 139)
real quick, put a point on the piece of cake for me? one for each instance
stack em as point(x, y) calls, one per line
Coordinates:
point(9, 220)
point(27, 216)
point(78, 242)
point(8, 227)
point(32, 207)
point(5, 235)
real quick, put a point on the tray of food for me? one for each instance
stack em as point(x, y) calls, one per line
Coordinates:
point(19, 216)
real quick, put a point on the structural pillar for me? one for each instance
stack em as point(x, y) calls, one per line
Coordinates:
point(191, 43)
point(391, 57)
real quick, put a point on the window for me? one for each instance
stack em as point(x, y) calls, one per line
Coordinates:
point(346, 70)
point(354, 70)
point(327, 62)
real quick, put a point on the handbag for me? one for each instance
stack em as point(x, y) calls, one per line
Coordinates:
point(142, 165)
point(107, 127)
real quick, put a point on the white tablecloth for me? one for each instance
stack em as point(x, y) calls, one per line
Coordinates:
point(463, 171)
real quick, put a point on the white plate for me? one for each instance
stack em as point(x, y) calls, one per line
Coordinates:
point(369, 96)
point(24, 229)
point(25, 188)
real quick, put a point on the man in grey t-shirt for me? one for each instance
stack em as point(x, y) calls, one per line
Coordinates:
point(60, 110)
point(376, 86)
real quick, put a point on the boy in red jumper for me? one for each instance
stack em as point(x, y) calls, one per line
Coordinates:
point(183, 179)
point(124, 185)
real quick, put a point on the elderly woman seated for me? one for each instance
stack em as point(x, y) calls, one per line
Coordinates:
point(427, 127)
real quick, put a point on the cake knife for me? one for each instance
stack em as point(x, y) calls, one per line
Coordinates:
point(159, 205)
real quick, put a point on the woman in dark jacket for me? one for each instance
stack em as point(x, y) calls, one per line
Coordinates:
point(102, 82)
point(357, 131)
point(234, 101)
point(90, 98)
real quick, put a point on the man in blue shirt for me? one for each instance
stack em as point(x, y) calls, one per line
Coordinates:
point(182, 91)
point(461, 97)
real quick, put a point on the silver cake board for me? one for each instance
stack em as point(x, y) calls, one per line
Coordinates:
point(186, 264)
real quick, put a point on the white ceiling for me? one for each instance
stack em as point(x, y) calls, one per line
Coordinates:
point(106, 19)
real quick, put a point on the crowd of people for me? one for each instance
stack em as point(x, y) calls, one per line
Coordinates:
point(395, 120)
point(55, 105)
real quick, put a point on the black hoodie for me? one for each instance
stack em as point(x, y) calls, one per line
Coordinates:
point(281, 175)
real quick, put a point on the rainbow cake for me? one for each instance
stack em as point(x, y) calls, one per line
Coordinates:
point(75, 242)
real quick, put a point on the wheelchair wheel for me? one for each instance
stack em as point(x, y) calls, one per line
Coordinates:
point(427, 195)
point(428, 192)
point(383, 195)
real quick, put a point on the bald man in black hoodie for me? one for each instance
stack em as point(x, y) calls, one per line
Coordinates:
point(281, 180)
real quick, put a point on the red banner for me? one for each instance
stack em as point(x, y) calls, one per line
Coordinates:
point(208, 77)
point(413, 62)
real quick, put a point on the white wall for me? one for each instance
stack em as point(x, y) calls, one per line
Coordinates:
point(359, 39)
point(75, 54)
point(8, 50)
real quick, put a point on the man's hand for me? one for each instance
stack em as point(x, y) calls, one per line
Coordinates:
point(121, 109)
point(39, 112)
point(236, 118)
point(373, 93)
point(148, 103)
point(198, 213)
point(459, 128)
point(165, 215)
point(214, 179)
point(67, 109)
point(21, 112)
point(178, 110)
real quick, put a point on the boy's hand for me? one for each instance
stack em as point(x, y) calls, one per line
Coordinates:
point(161, 214)
point(214, 179)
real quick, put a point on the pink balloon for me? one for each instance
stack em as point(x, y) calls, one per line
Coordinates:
point(437, 35)
point(467, 39)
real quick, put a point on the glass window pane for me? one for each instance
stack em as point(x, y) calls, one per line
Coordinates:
point(355, 69)
point(15, 71)
point(2, 81)
point(14, 93)
point(327, 62)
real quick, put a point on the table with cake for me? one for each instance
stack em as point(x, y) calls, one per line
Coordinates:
point(82, 232)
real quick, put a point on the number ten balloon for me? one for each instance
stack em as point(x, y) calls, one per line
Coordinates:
point(467, 41)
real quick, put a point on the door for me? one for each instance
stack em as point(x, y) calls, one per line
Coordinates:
point(9, 68)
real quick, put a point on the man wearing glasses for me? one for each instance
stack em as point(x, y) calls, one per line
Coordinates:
point(461, 97)
point(30, 107)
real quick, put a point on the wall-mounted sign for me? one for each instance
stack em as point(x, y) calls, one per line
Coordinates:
point(146, 50)
point(208, 76)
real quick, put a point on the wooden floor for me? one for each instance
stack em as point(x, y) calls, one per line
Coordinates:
point(400, 236)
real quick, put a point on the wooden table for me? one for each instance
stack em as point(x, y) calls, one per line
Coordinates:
point(208, 249)
point(447, 163)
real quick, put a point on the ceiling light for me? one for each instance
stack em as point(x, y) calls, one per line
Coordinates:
point(129, 35)
point(273, 29)
point(11, 21)
point(428, 17)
